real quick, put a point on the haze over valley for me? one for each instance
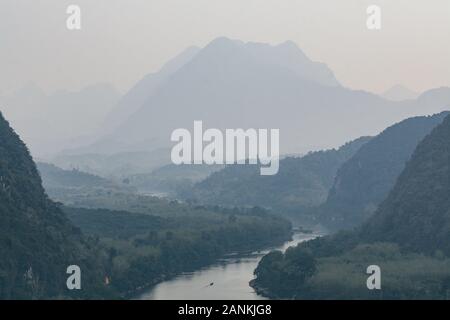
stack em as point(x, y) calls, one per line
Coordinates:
point(90, 180)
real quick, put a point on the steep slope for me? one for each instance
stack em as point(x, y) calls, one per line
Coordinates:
point(37, 242)
point(137, 95)
point(408, 237)
point(366, 179)
point(300, 183)
point(129, 104)
point(416, 214)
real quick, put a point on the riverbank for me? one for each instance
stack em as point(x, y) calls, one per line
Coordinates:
point(263, 292)
point(235, 254)
point(229, 276)
point(141, 250)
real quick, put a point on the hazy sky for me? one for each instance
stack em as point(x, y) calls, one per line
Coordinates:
point(122, 40)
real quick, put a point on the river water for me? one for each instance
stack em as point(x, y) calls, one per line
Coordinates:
point(227, 279)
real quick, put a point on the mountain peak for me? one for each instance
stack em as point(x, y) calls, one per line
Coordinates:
point(291, 46)
point(224, 41)
point(286, 55)
point(399, 92)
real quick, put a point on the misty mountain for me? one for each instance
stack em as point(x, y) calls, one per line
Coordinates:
point(302, 182)
point(137, 95)
point(50, 122)
point(366, 179)
point(117, 165)
point(231, 84)
point(129, 104)
point(37, 241)
point(399, 93)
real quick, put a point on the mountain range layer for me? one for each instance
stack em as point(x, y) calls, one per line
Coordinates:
point(232, 84)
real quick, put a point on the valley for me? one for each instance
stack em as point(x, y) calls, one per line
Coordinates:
point(230, 276)
point(148, 210)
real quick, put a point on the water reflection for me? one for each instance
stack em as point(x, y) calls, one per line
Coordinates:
point(227, 279)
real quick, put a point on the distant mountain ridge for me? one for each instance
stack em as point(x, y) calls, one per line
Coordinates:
point(137, 95)
point(302, 182)
point(54, 177)
point(399, 93)
point(232, 84)
point(129, 104)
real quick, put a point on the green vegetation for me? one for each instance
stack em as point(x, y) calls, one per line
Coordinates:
point(285, 273)
point(72, 186)
point(302, 182)
point(343, 276)
point(37, 242)
point(119, 251)
point(408, 237)
point(145, 249)
point(114, 224)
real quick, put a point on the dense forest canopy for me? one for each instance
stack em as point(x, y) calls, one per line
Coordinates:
point(145, 249)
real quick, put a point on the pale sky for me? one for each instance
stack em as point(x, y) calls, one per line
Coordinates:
point(122, 40)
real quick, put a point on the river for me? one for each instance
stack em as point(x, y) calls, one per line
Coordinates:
point(227, 279)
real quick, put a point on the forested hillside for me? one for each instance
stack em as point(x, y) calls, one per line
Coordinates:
point(301, 182)
point(416, 214)
point(408, 237)
point(121, 251)
point(145, 249)
point(37, 242)
point(365, 180)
